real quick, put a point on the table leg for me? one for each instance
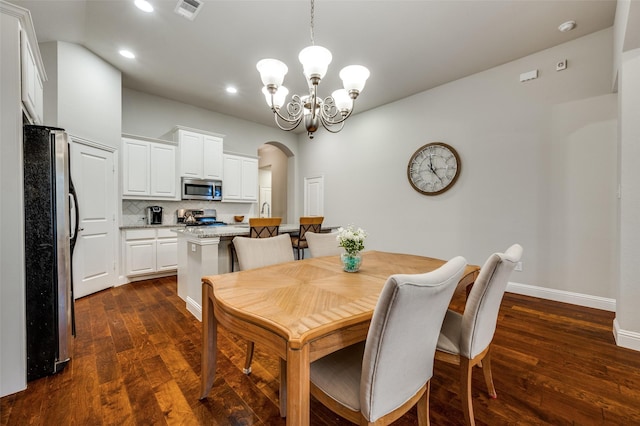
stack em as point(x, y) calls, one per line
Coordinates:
point(283, 388)
point(298, 386)
point(209, 342)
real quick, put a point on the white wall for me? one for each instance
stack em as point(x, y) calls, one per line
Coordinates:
point(627, 312)
point(538, 168)
point(84, 98)
point(13, 347)
point(154, 116)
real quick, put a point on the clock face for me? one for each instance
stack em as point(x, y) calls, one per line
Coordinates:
point(433, 168)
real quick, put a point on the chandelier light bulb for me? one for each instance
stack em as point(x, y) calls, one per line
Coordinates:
point(353, 78)
point(272, 71)
point(278, 97)
point(343, 100)
point(315, 60)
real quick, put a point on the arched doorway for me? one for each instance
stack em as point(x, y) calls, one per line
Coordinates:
point(274, 166)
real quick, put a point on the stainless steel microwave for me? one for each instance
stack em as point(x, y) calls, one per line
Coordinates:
point(200, 189)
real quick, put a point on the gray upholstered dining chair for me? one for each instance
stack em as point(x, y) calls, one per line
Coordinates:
point(465, 340)
point(258, 252)
point(323, 244)
point(379, 380)
point(259, 227)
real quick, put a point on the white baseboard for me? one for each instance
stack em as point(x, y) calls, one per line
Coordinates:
point(194, 308)
point(624, 338)
point(579, 299)
point(124, 279)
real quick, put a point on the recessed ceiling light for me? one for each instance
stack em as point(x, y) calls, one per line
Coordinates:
point(144, 5)
point(127, 54)
point(232, 90)
point(567, 26)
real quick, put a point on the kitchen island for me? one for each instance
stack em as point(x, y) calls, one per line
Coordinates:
point(203, 251)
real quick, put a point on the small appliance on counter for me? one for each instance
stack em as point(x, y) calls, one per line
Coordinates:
point(205, 217)
point(154, 215)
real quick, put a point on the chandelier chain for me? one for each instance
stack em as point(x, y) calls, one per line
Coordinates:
point(311, 27)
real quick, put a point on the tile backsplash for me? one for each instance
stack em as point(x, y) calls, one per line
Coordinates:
point(134, 211)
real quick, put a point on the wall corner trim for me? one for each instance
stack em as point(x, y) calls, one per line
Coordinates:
point(194, 308)
point(624, 338)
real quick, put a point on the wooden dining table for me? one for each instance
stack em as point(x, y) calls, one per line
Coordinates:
point(301, 311)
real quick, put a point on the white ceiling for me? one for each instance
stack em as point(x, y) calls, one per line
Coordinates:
point(409, 46)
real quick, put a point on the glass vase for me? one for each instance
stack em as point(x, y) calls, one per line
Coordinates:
point(351, 262)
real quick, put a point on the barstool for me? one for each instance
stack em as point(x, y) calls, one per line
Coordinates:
point(307, 224)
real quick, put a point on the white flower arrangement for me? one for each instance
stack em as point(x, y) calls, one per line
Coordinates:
point(351, 240)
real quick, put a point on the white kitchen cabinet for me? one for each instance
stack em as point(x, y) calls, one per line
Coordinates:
point(166, 250)
point(150, 251)
point(148, 169)
point(32, 86)
point(200, 154)
point(140, 251)
point(163, 170)
point(240, 183)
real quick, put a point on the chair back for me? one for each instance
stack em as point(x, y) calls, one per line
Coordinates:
point(483, 303)
point(324, 244)
point(309, 224)
point(258, 252)
point(401, 342)
point(264, 227)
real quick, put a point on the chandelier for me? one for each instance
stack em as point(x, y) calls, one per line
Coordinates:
point(330, 112)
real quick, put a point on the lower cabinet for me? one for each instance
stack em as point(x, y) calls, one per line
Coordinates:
point(150, 251)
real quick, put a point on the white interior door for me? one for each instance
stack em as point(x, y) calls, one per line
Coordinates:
point(314, 196)
point(94, 257)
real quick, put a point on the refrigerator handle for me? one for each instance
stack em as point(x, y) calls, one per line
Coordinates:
point(75, 216)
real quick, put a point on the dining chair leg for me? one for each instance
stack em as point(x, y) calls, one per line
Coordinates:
point(423, 407)
point(465, 390)
point(231, 256)
point(247, 362)
point(488, 377)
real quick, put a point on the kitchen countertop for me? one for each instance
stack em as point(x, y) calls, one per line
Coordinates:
point(169, 225)
point(233, 230)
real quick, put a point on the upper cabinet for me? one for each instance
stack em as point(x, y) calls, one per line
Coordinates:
point(21, 48)
point(240, 178)
point(148, 169)
point(200, 154)
point(32, 88)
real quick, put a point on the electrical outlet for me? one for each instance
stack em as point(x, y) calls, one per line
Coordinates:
point(519, 267)
point(193, 248)
point(561, 65)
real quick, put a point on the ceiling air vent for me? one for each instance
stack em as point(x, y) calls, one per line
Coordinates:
point(188, 8)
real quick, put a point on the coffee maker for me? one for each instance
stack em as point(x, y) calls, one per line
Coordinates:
point(154, 215)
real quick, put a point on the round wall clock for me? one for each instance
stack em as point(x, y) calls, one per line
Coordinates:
point(433, 168)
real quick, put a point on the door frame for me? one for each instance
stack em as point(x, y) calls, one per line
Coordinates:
point(117, 240)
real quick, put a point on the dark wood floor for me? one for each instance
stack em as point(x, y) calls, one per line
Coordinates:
point(137, 361)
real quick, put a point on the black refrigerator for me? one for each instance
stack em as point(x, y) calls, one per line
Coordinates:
point(48, 209)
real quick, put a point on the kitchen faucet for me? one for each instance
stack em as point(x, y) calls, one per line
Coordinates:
point(268, 209)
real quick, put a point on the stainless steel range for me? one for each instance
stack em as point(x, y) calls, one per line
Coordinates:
point(194, 217)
